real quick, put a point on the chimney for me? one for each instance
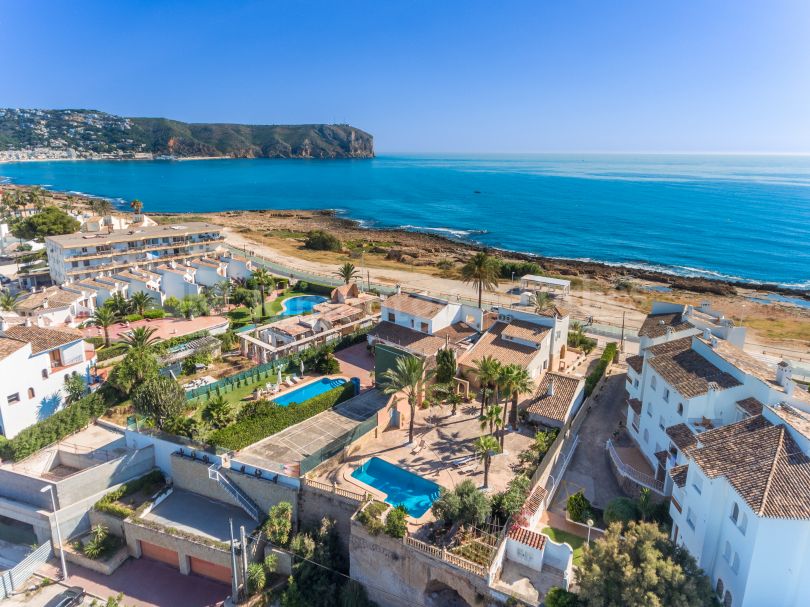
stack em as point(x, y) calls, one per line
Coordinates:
point(669, 333)
point(707, 334)
point(3, 325)
point(550, 389)
point(27, 321)
point(45, 303)
point(784, 374)
point(714, 341)
point(399, 289)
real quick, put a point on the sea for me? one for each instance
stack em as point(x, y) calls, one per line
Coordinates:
point(736, 217)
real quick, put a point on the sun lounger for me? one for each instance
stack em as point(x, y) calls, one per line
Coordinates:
point(295, 378)
point(462, 460)
point(289, 382)
point(418, 447)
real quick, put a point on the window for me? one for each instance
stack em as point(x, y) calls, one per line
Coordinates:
point(735, 513)
point(653, 382)
point(13, 398)
point(31, 393)
point(680, 408)
point(635, 383)
point(720, 587)
point(649, 409)
point(697, 483)
point(743, 523)
point(735, 564)
point(661, 422)
point(392, 317)
point(44, 374)
point(727, 552)
point(727, 599)
point(666, 395)
point(423, 326)
point(690, 518)
point(646, 435)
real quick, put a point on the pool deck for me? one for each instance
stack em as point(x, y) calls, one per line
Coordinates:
point(447, 457)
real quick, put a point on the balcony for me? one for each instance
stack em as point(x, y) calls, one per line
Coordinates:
point(627, 461)
point(65, 364)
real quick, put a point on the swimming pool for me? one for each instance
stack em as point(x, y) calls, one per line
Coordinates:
point(302, 304)
point(303, 393)
point(400, 486)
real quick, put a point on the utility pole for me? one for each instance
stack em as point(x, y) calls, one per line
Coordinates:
point(621, 345)
point(234, 580)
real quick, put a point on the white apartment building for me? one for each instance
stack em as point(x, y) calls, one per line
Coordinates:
point(239, 268)
point(142, 281)
point(34, 362)
point(668, 321)
point(57, 306)
point(104, 288)
point(209, 272)
point(177, 280)
point(90, 254)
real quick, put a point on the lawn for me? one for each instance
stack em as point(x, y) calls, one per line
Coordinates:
point(572, 540)
point(243, 314)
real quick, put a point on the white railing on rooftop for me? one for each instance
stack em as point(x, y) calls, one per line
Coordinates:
point(630, 472)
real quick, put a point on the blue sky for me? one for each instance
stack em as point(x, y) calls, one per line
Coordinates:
point(433, 76)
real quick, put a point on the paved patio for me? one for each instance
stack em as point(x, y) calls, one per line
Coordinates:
point(166, 327)
point(527, 584)
point(356, 361)
point(200, 515)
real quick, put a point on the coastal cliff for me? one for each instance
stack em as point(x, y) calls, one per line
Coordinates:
point(30, 134)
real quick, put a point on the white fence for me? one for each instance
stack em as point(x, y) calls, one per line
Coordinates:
point(634, 475)
point(13, 579)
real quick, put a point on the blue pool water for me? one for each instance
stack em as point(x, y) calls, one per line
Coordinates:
point(303, 393)
point(402, 487)
point(301, 305)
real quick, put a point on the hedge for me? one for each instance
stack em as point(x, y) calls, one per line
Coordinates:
point(319, 289)
point(263, 418)
point(111, 352)
point(604, 360)
point(109, 504)
point(154, 313)
point(70, 419)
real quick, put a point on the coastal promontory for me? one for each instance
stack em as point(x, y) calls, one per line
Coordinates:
point(33, 134)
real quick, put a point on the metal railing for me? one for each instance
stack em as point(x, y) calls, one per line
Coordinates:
point(636, 476)
point(14, 578)
point(243, 500)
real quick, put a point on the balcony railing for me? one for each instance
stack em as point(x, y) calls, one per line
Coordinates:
point(636, 476)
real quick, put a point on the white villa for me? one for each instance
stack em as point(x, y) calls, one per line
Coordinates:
point(57, 306)
point(178, 280)
point(34, 363)
point(728, 438)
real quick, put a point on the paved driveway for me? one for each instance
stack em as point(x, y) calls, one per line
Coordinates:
point(145, 583)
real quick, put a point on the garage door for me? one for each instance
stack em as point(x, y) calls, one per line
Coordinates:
point(210, 570)
point(158, 553)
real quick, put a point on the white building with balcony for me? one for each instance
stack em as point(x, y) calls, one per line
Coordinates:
point(209, 272)
point(34, 364)
point(178, 280)
point(57, 306)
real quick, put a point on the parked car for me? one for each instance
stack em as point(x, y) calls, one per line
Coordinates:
point(72, 597)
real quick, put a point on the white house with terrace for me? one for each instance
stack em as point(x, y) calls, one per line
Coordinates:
point(57, 306)
point(668, 321)
point(34, 365)
point(142, 281)
point(104, 287)
point(178, 280)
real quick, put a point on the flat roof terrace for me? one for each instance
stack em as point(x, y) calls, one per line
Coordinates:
point(83, 239)
point(199, 515)
point(285, 450)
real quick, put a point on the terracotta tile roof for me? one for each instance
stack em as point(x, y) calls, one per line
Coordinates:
point(672, 346)
point(678, 474)
point(635, 405)
point(42, 339)
point(414, 341)
point(290, 326)
point(655, 325)
point(555, 406)
point(763, 464)
point(796, 418)
point(56, 297)
point(504, 351)
point(527, 537)
point(526, 331)
point(457, 332)
point(9, 346)
point(553, 310)
point(636, 363)
point(682, 436)
point(687, 371)
point(415, 305)
point(751, 406)
point(534, 501)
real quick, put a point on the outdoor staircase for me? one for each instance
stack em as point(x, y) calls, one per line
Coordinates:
point(235, 492)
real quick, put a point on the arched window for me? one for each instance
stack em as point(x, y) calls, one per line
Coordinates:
point(31, 393)
point(744, 523)
point(720, 587)
point(727, 551)
point(727, 599)
point(680, 408)
point(44, 374)
point(735, 512)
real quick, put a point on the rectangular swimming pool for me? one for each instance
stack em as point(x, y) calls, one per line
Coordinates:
point(303, 393)
point(417, 494)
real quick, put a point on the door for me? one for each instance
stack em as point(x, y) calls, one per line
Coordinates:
point(210, 570)
point(159, 553)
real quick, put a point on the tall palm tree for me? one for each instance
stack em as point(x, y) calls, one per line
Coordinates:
point(517, 381)
point(491, 418)
point(103, 317)
point(119, 305)
point(485, 447)
point(102, 206)
point(264, 281)
point(140, 302)
point(408, 375)
point(136, 206)
point(8, 301)
point(347, 272)
point(487, 370)
point(481, 271)
point(35, 198)
point(141, 337)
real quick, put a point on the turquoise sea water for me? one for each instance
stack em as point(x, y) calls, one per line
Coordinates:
point(417, 494)
point(311, 390)
point(740, 217)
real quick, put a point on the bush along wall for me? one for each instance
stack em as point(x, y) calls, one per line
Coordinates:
point(264, 418)
point(594, 376)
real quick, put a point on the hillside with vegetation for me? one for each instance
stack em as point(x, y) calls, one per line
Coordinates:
point(32, 133)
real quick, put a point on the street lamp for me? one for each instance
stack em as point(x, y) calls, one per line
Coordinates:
point(49, 489)
point(589, 522)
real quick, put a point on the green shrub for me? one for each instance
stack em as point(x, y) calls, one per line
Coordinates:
point(371, 517)
point(316, 288)
point(97, 342)
point(395, 524)
point(133, 317)
point(464, 504)
point(318, 240)
point(578, 507)
point(594, 376)
point(111, 352)
point(263, 418)
point(622, 510)
point(256, 578)
point(154, 313)
point(70, 419)
point(109, 503)
point(518, 268)
point(557, 597)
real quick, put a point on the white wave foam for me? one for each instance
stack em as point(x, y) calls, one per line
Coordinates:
point(457, 233)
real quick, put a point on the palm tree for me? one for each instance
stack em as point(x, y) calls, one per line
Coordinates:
point(645, 505)
point(485, 447)
point(517, 381)
point(141, 337)
point(263, 280)
point(119, 305)
point(8, 301)
point(454, 398)
point(487, 370)
point(35, 198)
point(140, 302)
point(408, 375)
point(347, 272)
point(481, 271)
point(491, 418)
point(136, 206)
point(223, 291)
point(103, 317)
point(102, 206)
point(541, 302)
